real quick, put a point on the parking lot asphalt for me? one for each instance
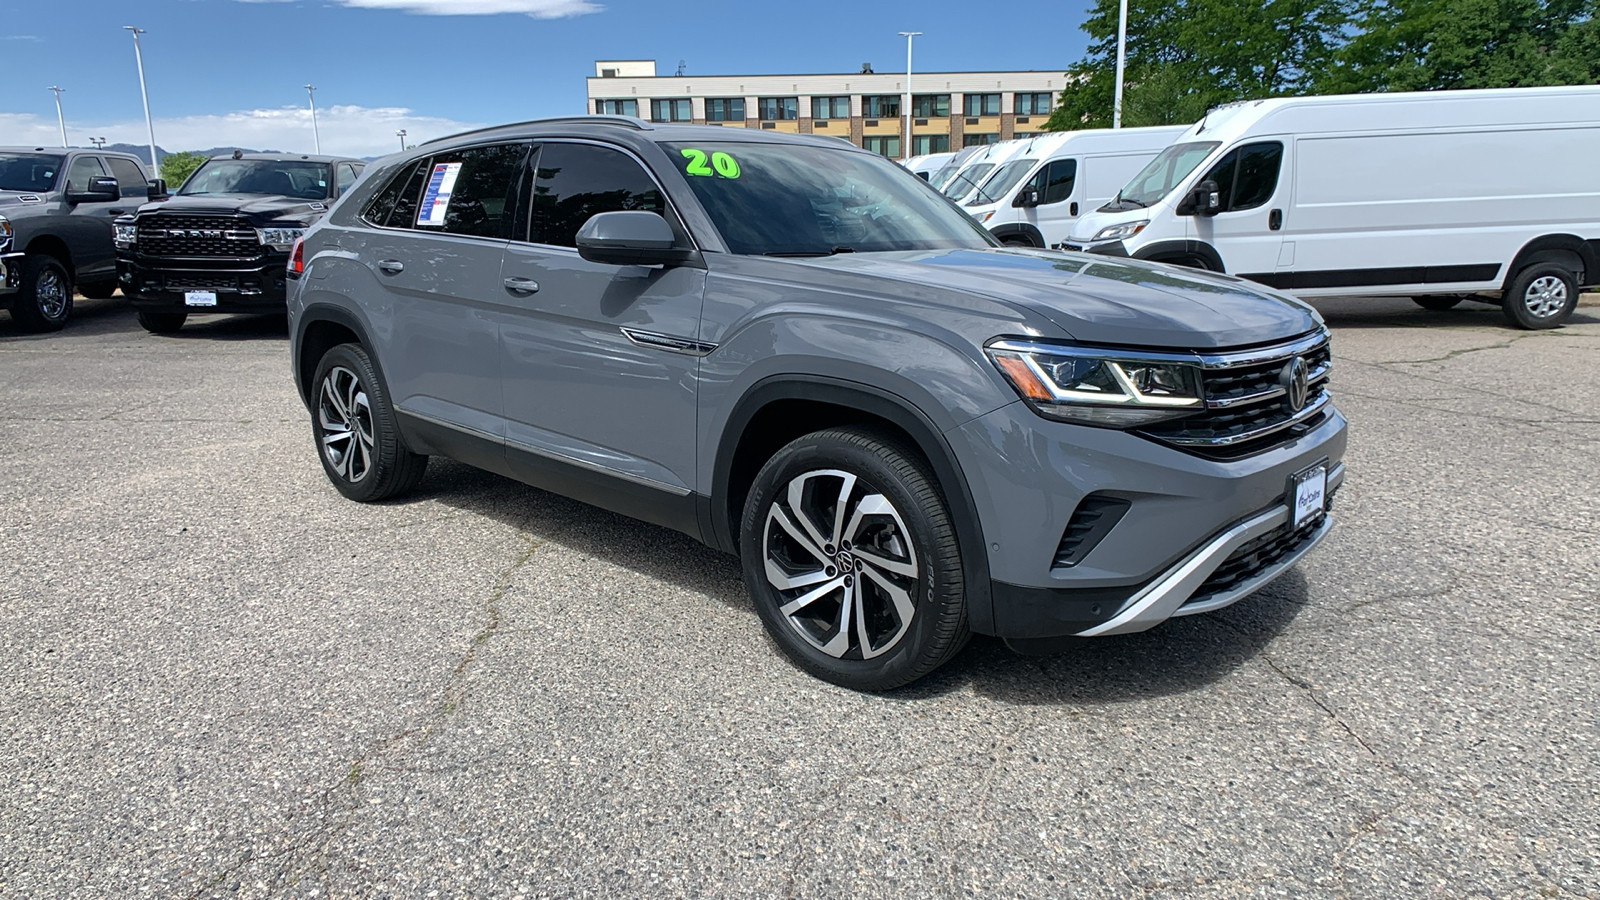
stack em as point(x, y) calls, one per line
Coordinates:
point(222, 679)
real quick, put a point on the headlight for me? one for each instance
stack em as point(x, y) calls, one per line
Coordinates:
point(126, 235)
point(5, 234)
point(1107, 388)
point(1125, 230)
point(280, 238)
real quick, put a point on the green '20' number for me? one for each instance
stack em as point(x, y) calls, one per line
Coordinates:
point(722, 163)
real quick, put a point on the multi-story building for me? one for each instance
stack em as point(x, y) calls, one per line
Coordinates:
point(949, 110)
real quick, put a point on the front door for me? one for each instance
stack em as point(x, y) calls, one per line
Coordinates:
point(89, 224)
point(1246, 232)
point(600, 365)
point(1056, 212)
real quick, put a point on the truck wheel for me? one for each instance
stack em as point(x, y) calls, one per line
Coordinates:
point(357, 435)
point(98, 290)
point(852, 562)
point(161, 323)
point(1541, 296)
point(1436, 303)
point(45, 301)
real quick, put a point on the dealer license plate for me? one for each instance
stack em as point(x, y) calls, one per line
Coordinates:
point(1309, 489)
point(199, 298)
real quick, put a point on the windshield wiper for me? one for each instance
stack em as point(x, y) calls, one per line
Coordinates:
point(805, 253)
point(1136, 203)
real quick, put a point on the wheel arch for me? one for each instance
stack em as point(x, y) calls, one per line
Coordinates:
point(1564, 248)
point(1019, 229)
point(1177, 252)
point(780, 408)
point(50, 245)
point(320, 328)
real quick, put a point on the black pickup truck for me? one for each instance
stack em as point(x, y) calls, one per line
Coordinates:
point(57, 205)
point(221, 243)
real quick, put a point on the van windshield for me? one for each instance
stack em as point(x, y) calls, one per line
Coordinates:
point(942, 177)
point(1164, 173)
point(28, 172)
point(1001, 182)
point(963, 184)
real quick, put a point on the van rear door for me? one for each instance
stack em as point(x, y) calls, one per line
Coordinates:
point(1246, 233)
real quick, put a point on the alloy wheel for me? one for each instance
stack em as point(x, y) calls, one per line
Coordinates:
point(842, 561)
point(51, 294)
point(1545, 297)
point(345, 416)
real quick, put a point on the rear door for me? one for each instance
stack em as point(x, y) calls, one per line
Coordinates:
point(1246, 233)
point(601, 369)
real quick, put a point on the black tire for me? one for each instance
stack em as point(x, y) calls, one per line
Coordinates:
point(1016, 242)
point(98, 290)
point(44, 302)
point(1541, 296)
point(915, 536)
point(161, 323)
point(362, 470)
point(1436, 303)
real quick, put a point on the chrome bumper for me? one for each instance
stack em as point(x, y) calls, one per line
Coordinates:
point(10, 272)
point(1167, 595)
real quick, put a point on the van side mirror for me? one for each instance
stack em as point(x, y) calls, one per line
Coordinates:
point(1026, 198)
point(156, 189)
point(101, 189)
point(1207, 199)
point(630, 238)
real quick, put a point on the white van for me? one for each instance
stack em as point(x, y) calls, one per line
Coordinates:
point(979, 166)
point(927, 164)
point(1033, 199)
point(1439, 196)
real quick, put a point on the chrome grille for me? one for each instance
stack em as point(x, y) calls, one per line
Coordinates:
point(1247, 408)
point(197, 237)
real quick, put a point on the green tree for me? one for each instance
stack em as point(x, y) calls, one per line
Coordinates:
point(175, 167)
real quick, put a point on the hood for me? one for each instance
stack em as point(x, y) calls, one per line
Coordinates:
point(12, 200)
point(1102, 299)
point(258, 208)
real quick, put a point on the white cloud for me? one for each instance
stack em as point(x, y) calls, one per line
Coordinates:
point(346, 130)
point(539, 9)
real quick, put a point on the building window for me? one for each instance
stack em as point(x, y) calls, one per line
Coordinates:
point(617, 108)
point(671, 110)
point(885, 145)
point(830, 107)
point(725, 109)
point(978, 140)
point(983, 104)
point(883, 106)
point(923, 144)
point(779, 109)
point(608, 73)
point(1032, 104)
point(928, 106)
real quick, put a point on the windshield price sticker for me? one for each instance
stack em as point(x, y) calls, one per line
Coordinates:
point(721, 164)
point(436, 200)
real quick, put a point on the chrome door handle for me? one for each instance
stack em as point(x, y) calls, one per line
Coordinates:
point(391, 267)
point(522, 286)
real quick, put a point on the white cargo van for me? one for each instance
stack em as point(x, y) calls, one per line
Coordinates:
point(953, 165)
point(1033, 199)
point(979, 167)
point(1439, 196)
point(928, 163)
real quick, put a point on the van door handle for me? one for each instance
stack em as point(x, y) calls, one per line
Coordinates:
point(522, 286)
point(1073, 210)
point(1275, 219)
point(391, 267)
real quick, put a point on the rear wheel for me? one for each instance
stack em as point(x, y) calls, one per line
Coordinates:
point(45, 301)
point(161, 323)
point(851, 560)
point(1436, 303)
point(358, 437)
point(1541, 296)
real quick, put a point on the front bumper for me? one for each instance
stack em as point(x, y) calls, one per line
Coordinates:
point(1104, 248)
point(154, 286)
point(10, 274)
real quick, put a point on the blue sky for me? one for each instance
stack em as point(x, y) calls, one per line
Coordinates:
point(230, 71)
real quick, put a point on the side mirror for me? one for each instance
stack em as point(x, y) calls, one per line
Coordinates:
point(1207, 198)
point(630, 238)
point(156, 189)
point(1026, 198)
point(101, 189)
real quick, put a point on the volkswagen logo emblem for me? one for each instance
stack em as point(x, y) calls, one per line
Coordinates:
point(1295, 379)
point(847, 563)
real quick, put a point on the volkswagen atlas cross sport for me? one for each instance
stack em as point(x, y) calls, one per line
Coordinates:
point(802, 354)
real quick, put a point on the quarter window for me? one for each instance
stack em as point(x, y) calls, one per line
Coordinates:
point(577, 181)
point(780, 109)
point(84, 168)
point(678, 110)
point(130, 178)
point(725, 109)
point(396, 205)
point(830, 107)
point(983, 104)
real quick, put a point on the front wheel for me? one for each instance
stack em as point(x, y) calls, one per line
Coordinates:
point(1541, 296)
point(45, 301)
point(161, 323)
point(852, 562)
point(358, 437)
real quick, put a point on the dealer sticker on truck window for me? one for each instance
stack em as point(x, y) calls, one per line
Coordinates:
point(1309, 490)
point(436, 200)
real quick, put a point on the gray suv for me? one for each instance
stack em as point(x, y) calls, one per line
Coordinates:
point(802, 354)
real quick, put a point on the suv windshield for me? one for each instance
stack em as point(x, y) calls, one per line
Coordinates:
point(301, 180)
point(799, 200)
point(33, 173)
point(1157, 179)
point(1002, 181)
point(967, 180)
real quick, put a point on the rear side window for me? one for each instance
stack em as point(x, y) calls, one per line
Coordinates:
point(396, 205)
point(469, 191)
point(82, 169)
point(577, 181)
point(129, 177)
point(1055, 182)
point(1247, 176)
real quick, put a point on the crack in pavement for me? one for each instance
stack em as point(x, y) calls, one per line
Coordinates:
point(336, 807)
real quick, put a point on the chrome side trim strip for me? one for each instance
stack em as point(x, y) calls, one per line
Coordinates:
point(1257, 581)
point(667, 342)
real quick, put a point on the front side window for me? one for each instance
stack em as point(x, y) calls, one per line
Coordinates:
point(82, 169)
point(577, 181)
point(830, 107)
point(130, 178)
point(923, 144)
point(346, 176)
point(1257, 176)
point(1000, 183)
point(31, 173)
point(725, 109)
point(983, 104)
point(929, 106)
point(883, 145)
point(780, 109)
point(1057, 181)
point(1037, 104)
point(1162, 174)
point(287, 178)
point(881, 106)
point(800, 200)
point(617, 108)
point(678, 110)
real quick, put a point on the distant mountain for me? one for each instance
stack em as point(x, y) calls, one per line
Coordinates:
point(143, 151)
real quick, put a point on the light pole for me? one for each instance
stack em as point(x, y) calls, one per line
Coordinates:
point(150, 128)
point(59, 120)
point(315, 135)
point(402, 135)
point(906, 150)
point(99, 143)
point(1122, 53)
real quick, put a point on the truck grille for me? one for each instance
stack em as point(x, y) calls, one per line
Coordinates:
point(1249, 406)
point(198, 237)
